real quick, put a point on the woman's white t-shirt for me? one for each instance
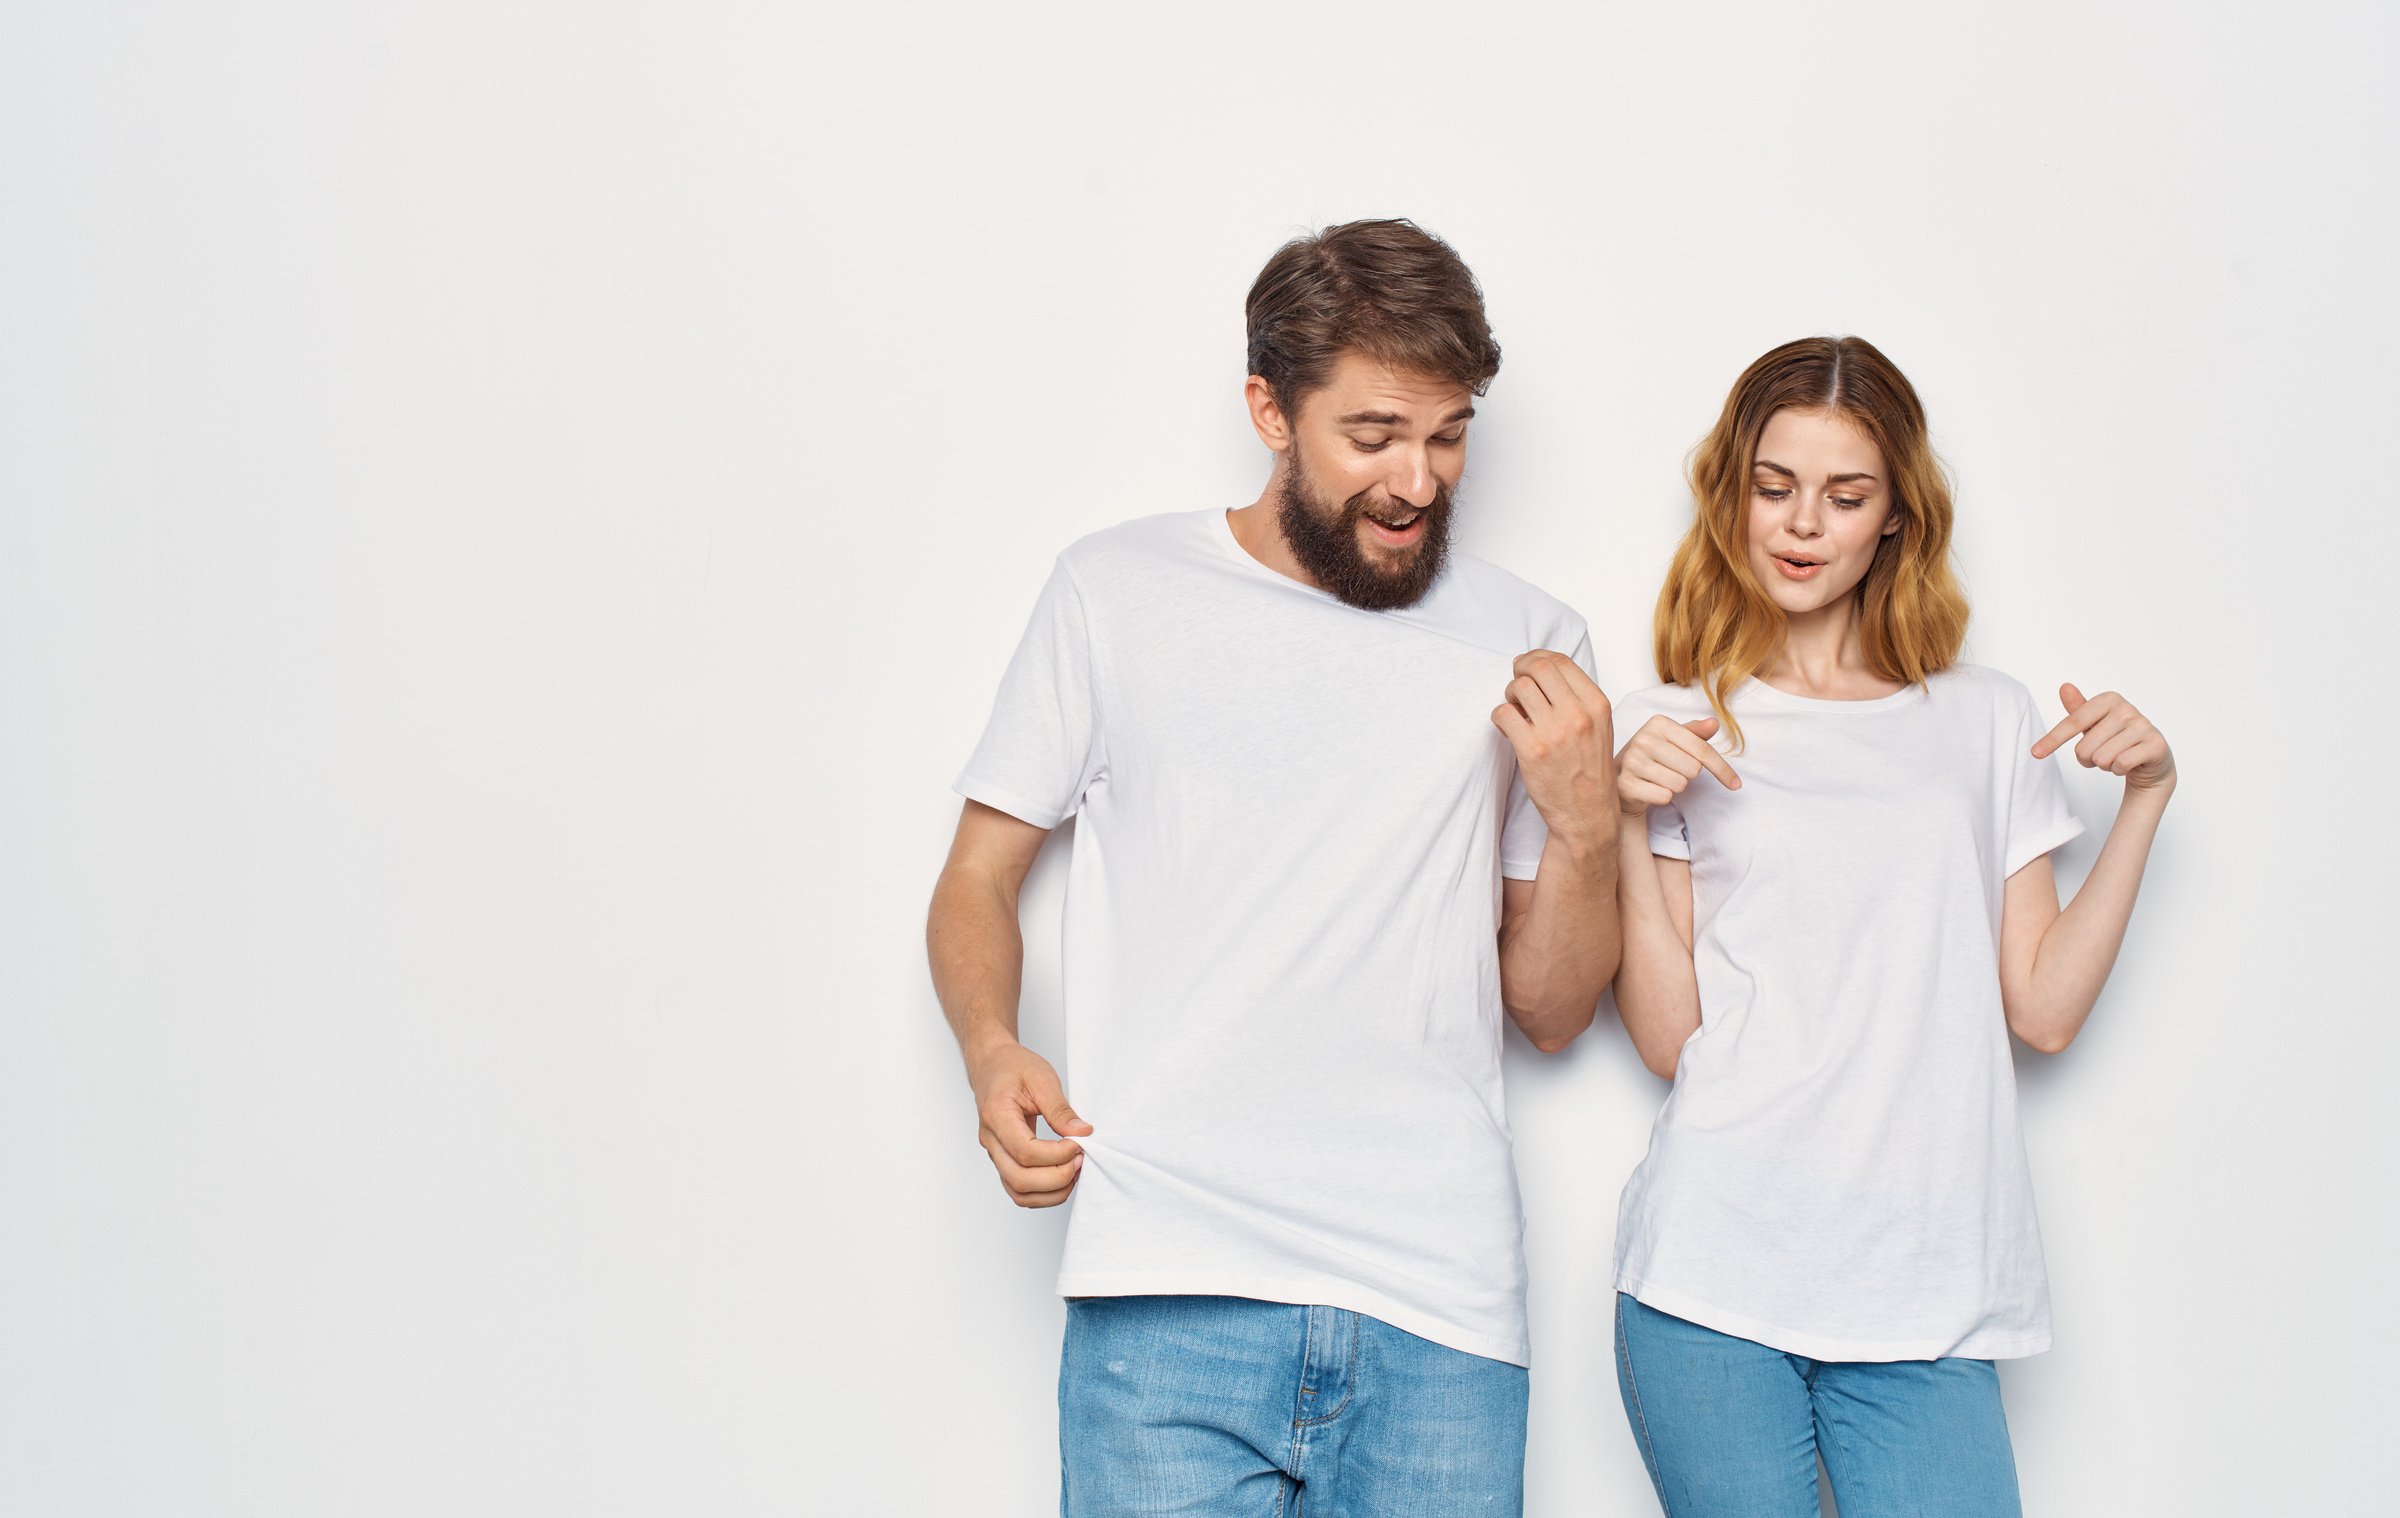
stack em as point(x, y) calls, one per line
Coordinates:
point(1838, 1171)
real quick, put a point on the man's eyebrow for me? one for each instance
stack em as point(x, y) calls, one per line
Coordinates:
point(1394, 418)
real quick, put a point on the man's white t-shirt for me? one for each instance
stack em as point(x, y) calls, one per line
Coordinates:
point(1838, 1171)
point(1281, 968)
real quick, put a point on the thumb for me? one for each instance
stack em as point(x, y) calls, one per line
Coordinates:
point(1703, 727)
point(1053, 1100)
point(2069, 697)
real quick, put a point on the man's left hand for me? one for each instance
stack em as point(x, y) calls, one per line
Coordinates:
point(1558, 721)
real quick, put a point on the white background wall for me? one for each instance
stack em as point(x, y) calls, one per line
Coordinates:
point(512, 513)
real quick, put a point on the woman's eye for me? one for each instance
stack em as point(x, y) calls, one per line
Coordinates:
point(1849, 500)
point(1772, 495)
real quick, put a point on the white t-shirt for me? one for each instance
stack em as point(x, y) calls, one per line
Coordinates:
point(1838, 1172)
point(1281, 979)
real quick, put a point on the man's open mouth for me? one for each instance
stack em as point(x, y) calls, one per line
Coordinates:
point(1397, 529)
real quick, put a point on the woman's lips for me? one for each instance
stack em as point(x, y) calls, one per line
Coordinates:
point(1796, 571)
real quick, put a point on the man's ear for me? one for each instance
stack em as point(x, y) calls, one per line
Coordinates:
point(1266, 414)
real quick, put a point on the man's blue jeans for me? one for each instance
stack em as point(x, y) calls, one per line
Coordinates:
point(1222, 1405)
point(1732, 1429)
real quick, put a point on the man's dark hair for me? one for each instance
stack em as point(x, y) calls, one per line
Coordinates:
point(1387, 289)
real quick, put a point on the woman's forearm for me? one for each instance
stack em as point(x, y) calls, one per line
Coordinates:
point(1658, 994)
point(2077, 951)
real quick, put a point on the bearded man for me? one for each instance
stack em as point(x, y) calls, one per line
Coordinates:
point(1314, 866)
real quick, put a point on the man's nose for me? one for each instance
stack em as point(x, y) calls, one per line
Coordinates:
point(1412, 482)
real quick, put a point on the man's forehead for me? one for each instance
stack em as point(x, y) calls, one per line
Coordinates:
point(1368, 387)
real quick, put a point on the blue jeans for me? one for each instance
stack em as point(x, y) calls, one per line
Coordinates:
point(1223, 1405)
point(1730, 1427)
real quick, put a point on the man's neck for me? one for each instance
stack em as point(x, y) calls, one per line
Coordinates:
point(1260, 533)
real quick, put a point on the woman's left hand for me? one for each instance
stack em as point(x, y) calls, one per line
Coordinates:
point(2116, 738)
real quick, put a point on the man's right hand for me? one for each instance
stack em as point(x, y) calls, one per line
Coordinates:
point(1013, 1086)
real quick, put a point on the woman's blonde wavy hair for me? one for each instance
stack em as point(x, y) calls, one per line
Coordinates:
point(1715, 626)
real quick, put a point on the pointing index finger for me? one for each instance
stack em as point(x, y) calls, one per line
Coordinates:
point(2068, 726)
point(1710, 760)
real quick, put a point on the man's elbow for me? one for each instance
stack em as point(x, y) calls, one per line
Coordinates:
point(1552, 1032)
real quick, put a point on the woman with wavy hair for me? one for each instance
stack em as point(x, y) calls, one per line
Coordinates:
point(1834, 916)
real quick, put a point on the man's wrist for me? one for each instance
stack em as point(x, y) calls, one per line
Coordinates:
point(980, 1046)
point(1589, 846)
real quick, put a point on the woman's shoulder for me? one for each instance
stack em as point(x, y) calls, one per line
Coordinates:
point(1666, 695)
point(1981, 681)
point(1682, 702)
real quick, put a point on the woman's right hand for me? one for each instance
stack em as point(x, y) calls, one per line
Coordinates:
point(1662, 758)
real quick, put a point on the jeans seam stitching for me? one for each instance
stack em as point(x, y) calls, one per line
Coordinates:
point(1308, 1354)
point(1641, 1421)
point(1349, 1382)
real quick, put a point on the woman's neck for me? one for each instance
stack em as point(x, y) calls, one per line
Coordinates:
point(1820, 657)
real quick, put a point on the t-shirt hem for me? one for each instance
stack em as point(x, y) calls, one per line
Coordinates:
point(1299, 1291)
point(1511, 869)
point(976, 788)
point(2042, 843)
point(1973, 1345)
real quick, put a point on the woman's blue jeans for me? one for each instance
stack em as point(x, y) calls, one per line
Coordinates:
point(1732, 1429)
point(1222, 1405)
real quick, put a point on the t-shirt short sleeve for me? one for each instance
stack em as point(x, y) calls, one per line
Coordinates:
point(1041, 750)
point(2038, 817)
point(1668, 839)
point(1521, 840)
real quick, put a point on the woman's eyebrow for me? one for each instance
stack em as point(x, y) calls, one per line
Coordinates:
point(1831, 479)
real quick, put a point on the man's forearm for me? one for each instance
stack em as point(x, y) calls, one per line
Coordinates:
point(977, 952)
point(1557, 957)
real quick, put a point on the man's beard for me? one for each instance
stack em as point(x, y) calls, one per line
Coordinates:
point(1325, 541)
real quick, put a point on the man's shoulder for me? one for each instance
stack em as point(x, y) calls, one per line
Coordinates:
point(1508, 606)
point(1143, 541)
